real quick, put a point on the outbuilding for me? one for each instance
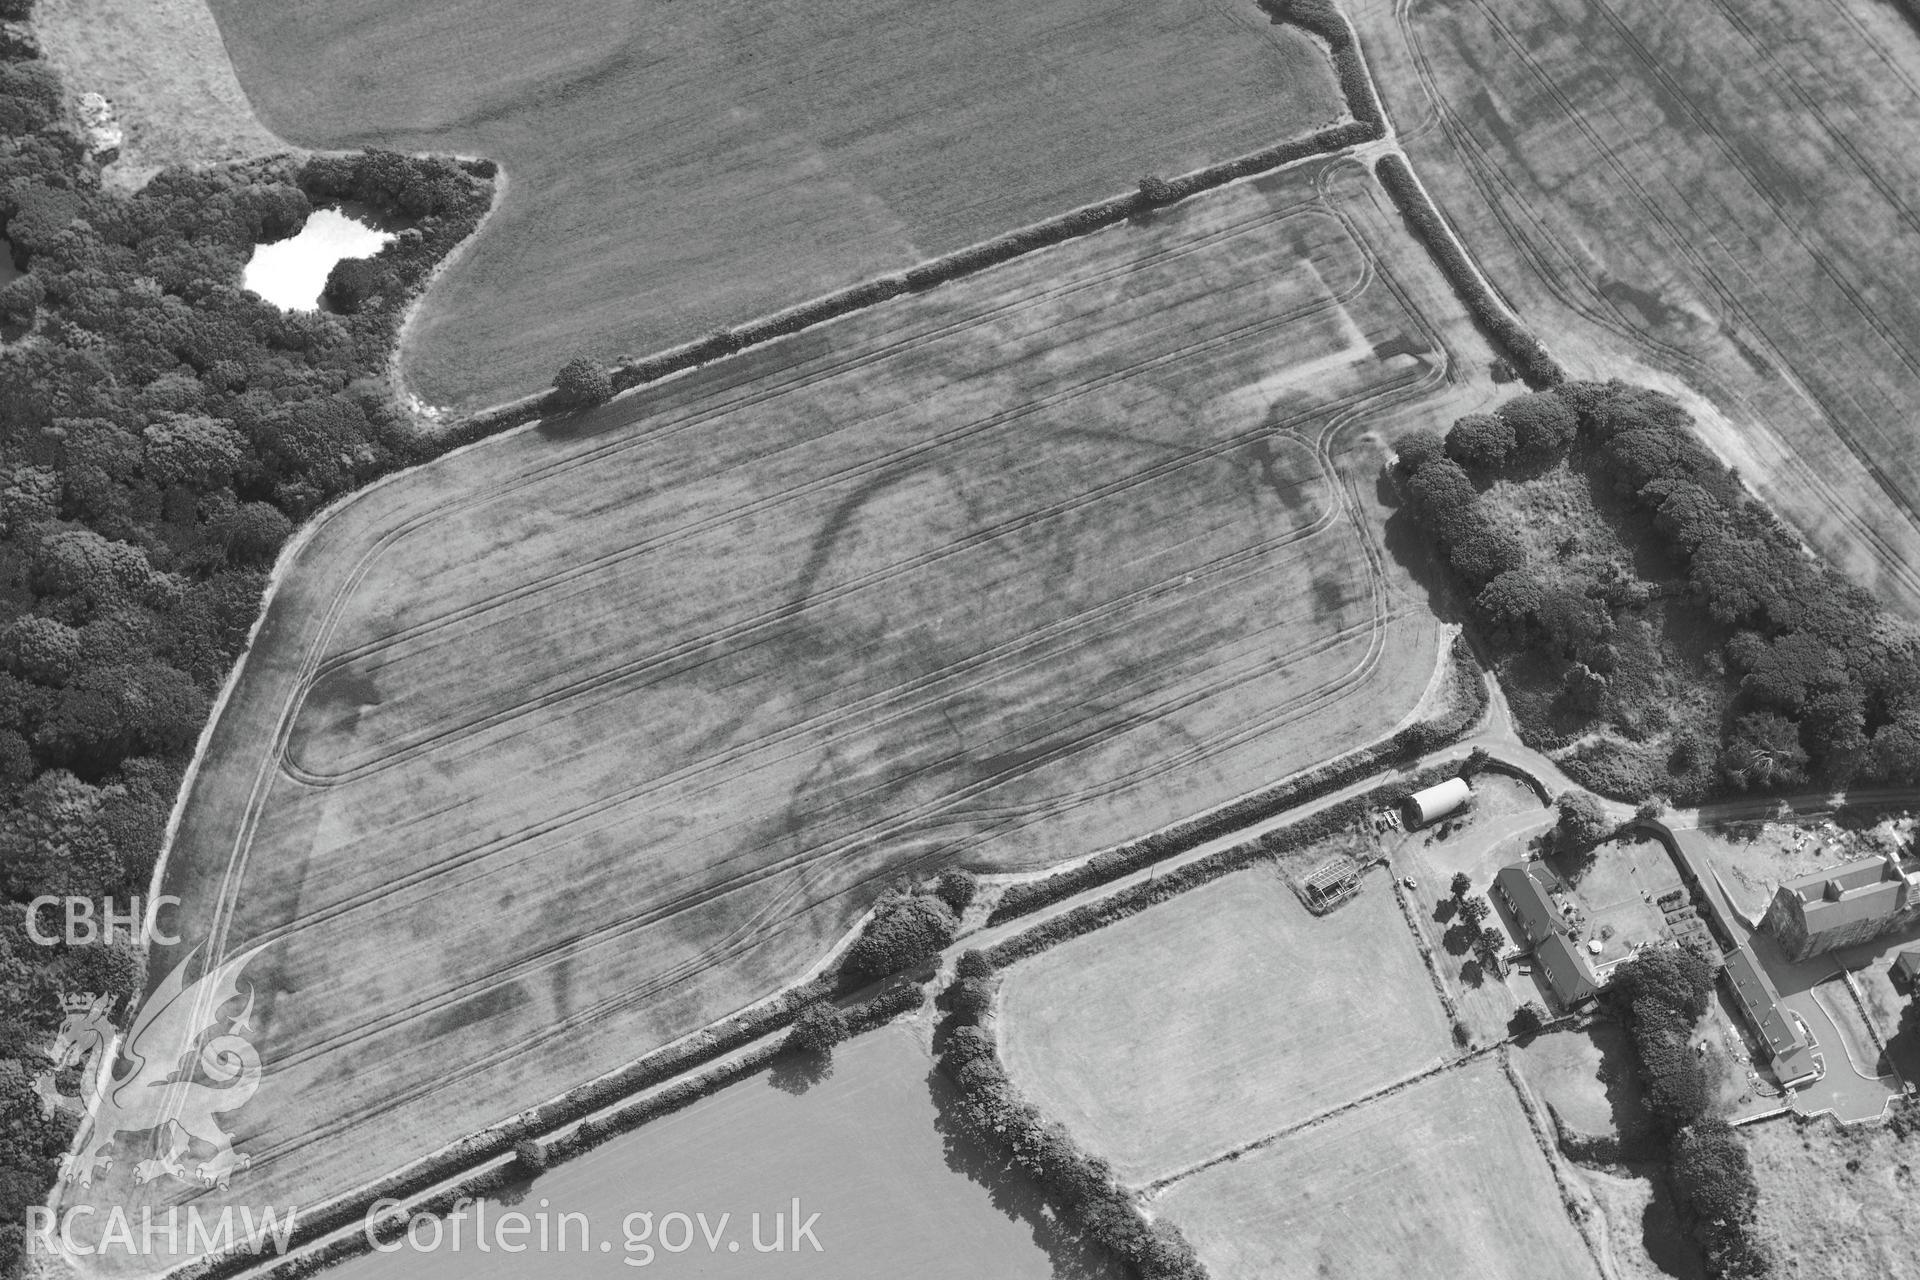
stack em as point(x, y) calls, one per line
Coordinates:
point(1906, 969)
point(1441, 800)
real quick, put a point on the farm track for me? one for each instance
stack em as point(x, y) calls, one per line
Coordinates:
point(1586, 301)
point(773, 914)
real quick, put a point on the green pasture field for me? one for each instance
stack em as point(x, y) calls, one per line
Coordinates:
point(1722, 198)
point(574, 741)
point(1438, 1181)
point(1217, 1018)
point(675, 167)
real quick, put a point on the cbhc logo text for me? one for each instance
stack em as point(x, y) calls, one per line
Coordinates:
point(85, 924)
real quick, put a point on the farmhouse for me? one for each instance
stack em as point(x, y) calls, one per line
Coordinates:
point(1852, 903)
point(1791, 1048)
point(1441, 800)
point(1539, 924)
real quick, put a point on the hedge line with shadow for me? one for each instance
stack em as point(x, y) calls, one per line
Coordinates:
point(1407, 745)
point(1303, 834)
point(1529, 355)
point(897, 998)
point(1081, 1186)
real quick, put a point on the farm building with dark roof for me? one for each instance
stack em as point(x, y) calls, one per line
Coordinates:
point(1539, 925)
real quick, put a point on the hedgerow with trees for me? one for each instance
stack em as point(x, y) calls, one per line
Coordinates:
point(162, 431)
point(1082, 1187)
point(1652, 616)
point(1661, 995)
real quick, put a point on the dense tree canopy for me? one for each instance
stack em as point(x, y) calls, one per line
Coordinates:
point(1481, 440)
point(1580, 820)
point(906, 929)
point(161, 430)
point(1542, 424)
point(582, 383)
point(1829, 682)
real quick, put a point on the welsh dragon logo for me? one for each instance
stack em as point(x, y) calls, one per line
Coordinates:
point(154, 1089)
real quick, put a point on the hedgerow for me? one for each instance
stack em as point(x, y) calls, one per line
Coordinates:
point(1325, 20)
point(1081, 1186)
point(896, 999)
point(937, 271)
point(1310, 830)
point(1136, 855)
point(1528, 353)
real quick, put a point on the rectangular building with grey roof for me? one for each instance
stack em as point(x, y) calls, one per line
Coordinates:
point(1844, 906)
point(1791, 1049)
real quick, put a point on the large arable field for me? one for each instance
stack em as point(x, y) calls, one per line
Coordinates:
point(573, 741)
point(1441, 1180)
point(1721, 197)
point(675, 167)
point(1217, 1018)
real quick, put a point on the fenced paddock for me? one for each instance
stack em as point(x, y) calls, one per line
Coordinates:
point(1261, 1013)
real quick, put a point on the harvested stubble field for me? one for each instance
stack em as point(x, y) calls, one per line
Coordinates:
point(1218, 1017)
point(1441, 1180)
point(677, 167)
point(576, 740)
point(1721, 197)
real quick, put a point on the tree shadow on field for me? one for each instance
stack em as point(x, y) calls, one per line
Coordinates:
point(795, 1072)
point(1903, 1049)
point(513, 1191)
point(1014, 1193)
point(1412, 549)
point(1669, 1245)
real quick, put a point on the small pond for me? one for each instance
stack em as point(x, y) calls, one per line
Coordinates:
point(291, 273)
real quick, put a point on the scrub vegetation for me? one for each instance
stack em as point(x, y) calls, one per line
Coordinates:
point(1714, 198)
point(1658, 625)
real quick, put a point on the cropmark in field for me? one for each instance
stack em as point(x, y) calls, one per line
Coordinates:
point(572, 742)
point(673, 167)
point(1722, 198)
